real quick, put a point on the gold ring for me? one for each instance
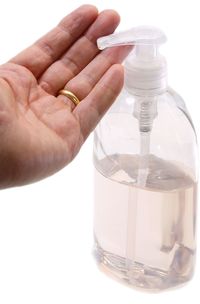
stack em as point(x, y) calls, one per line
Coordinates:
point(70, 95)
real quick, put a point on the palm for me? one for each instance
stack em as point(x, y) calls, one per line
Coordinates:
point(38, 121)
point(41, 132)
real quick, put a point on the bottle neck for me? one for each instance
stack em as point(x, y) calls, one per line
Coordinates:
point(146, 78)
point(138, 92)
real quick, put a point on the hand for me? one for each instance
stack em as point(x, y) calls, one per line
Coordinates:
point(39, 132)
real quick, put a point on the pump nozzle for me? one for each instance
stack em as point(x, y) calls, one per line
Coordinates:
point(145, 68)
point(141, 35)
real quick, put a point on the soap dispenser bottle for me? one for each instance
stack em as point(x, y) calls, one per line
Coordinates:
point(145, 157)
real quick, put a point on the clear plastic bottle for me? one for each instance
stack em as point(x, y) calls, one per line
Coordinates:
point(145, 157)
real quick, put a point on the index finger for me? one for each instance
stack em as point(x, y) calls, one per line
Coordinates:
point(38, 57)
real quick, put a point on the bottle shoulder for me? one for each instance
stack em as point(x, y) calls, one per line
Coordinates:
point(169, 102)
point(169, 95)
point(180, 104)
point(171, 118)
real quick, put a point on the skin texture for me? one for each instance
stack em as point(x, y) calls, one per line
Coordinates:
point(41, 132)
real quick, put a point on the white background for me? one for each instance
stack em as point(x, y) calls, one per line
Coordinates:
point(46, 228)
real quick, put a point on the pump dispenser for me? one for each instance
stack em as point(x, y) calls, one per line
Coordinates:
point(145, 65)
point(145, 173)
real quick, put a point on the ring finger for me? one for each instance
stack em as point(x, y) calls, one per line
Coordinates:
point(85, 81)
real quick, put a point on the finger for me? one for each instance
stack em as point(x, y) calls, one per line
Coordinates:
point(86, 80)
point(80, 54)
point(49, 48)
point(93, 107)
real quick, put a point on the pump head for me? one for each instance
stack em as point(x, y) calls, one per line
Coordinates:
point(145, 68)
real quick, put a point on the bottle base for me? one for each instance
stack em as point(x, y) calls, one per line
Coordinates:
point(138, 275)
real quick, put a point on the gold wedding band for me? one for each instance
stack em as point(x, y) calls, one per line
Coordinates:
point(70, 95)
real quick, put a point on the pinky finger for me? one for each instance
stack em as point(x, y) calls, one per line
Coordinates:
point(91, 109)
